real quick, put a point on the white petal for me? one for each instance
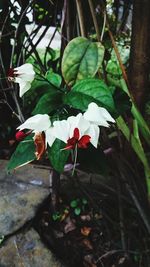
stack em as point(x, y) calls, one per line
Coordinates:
point(23, 87)
point(50, 138)
point(39, 123)
point(61, 130)
point(26, 77)
point(78, 122)
point(25, 68)
point(97, 115)
point(93, 132)
point(106, 115)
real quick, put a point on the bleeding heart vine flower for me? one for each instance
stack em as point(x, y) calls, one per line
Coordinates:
point(73, 131)
point(24, 75)
point(40, 123)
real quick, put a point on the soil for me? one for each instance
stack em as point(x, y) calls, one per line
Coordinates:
point(89, 229)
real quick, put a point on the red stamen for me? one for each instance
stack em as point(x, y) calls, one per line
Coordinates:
point(12, 73)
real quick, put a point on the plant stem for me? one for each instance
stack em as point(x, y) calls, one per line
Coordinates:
point(55, 188)
point(81, 18)
point(94, 20)
point(136, 147)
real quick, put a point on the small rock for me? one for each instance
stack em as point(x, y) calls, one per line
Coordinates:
point(19, 199)
point(27, 250)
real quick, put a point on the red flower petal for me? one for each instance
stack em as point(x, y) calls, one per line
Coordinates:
point(84, 141)
point(76, 134)
point(71, 143)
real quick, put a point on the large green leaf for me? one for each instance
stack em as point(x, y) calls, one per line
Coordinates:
point(57, 156)
point(37, 90)
point(87, 91)
point(53, 78)
point(24, 153)
point(82, 59)
point(48, 102)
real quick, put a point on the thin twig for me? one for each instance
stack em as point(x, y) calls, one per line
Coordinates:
point(81, 18)
point(94, 20)
point(16, 32)
point(121, 217)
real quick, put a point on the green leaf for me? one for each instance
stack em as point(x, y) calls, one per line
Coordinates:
point(37, 90)
point(84, 201)
point(56, 216)
point(137, 147)
point(54, 78)
point(113, 68)
point(74, 203)
point(87, 91)
point(82, 59)
point(57, 156)
point(24, 153)
point(48, 102)
point(77, 211)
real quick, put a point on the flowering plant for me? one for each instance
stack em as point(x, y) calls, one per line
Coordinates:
point(69, 118)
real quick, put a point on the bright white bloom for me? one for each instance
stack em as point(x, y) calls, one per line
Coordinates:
point(64, 130)
point(98, 115)
point(40, 123)
point(24, 75)
point(76, 130)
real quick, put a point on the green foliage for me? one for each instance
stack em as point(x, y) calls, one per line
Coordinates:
point(58, 156)
point(74, 203)
point(56, 216)
point(87, 91)
point(54, 78)
point(113, 66)
point(24, 153)
point(48, 102)
point(37, 90)
point(77, 211)
point(78, 205)
point(81, 59)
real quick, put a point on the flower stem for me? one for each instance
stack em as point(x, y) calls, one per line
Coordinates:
point(75, 158)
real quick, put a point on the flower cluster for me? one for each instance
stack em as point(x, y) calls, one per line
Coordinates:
point(75, 131)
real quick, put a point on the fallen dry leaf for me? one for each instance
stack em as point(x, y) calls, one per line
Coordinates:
point(85, 230)
point(70, 226)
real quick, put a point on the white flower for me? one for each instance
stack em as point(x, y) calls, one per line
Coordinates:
point(64, 129)
point(24, 75)
point(98, 115)
point(40, 123)
point(76, 130)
